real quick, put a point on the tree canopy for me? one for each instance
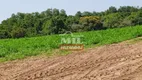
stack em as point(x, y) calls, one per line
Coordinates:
point(55, 21)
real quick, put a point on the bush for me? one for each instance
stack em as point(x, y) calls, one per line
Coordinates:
point(18, 33)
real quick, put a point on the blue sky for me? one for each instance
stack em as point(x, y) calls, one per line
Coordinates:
point(7, 7)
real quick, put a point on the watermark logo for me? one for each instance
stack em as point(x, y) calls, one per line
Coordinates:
point(70, 41)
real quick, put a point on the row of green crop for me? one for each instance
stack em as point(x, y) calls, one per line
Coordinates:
point(11, 49)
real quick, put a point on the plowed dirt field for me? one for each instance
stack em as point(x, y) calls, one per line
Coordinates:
point(121, 61)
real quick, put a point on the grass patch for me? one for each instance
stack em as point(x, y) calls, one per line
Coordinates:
point(135, 40)
point(11, 49)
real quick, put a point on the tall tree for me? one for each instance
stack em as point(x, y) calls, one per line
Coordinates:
point(111, 10)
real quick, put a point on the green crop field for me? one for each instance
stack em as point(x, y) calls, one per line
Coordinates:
point(11, 49)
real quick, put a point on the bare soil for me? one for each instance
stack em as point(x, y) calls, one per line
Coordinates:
point(121, 61)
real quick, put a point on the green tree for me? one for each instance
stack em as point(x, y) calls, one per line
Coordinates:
point(63, 13)
point(86, 13)
point(127, 9)
point(112, 20)
point(56, 12)
point(111, 10)
point(18, 32)
point(91, 23)
point(78, 14)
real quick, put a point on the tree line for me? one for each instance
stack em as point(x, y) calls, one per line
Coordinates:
point(55, 21)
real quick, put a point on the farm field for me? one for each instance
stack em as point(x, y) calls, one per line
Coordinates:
point(121, 61)
point(12, 49)
point(71, 40)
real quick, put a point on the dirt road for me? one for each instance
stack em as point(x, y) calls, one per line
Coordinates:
point(111, 62)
